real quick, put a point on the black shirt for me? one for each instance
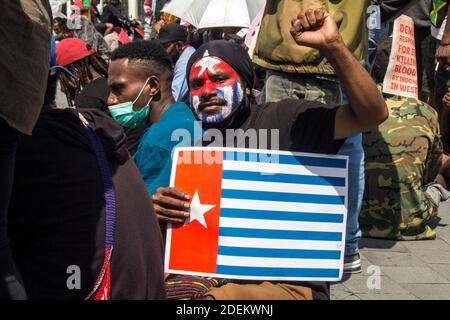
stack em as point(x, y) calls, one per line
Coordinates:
point(303, 126)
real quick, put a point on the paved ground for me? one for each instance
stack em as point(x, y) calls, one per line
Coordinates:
point(418, 270)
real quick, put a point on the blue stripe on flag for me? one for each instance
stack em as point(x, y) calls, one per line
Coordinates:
point(279, 253)
point(283, 178)
point(279, 234)
point(283, 197)
point(277, 272)
point(281, 215)
point(285, 159)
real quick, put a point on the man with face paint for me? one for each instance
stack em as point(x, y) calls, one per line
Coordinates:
point(212, 75)
point(140, 78)
point(221, 76)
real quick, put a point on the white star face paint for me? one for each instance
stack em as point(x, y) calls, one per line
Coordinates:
point(207, 63)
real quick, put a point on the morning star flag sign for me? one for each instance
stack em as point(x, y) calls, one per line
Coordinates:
point(259, 215)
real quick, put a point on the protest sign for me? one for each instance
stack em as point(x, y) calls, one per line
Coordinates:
point(259, 215)
point(401, 75)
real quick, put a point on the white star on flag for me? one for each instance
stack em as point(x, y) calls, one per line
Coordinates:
point(207, 63)
point(198, 210)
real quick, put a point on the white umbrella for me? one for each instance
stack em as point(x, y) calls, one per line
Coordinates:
point(215, 13)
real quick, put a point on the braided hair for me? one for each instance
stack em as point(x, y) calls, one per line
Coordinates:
point(71, 86)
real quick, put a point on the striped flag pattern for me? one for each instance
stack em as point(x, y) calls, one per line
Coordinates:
point(277, 216)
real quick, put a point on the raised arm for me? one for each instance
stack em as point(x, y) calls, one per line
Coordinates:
point(367, 108)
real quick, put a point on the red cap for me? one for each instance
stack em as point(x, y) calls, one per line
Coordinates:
point(70, 50)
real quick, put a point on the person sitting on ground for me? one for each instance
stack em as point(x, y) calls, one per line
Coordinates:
point(304, 126)
point(78, 207)
point(403, 158)
point(140, 79)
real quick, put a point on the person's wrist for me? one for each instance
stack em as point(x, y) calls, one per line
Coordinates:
point(332, 47)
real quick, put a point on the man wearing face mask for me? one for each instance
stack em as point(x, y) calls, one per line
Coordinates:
point(174, 39)
point(139, 77)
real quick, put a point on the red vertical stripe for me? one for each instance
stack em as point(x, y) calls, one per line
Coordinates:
point(194, 247)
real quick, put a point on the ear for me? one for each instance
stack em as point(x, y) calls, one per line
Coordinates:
point(153, 86)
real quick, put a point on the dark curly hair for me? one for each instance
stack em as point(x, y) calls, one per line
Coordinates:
point(150, 55)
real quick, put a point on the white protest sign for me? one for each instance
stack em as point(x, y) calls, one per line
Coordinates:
point(401, 75)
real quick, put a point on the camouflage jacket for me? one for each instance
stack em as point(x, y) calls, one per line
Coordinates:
point(403, 155)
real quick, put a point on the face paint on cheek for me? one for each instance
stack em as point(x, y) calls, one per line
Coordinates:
point(238, 93)
point(195, 102)
point(233, 97)
point(226, 93)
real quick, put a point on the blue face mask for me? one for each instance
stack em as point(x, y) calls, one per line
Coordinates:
point(124, 112)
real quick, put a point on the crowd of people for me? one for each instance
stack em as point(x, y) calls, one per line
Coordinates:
point(88, 185)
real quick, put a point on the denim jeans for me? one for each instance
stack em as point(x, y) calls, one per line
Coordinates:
point(326, 89)
point(356, 180)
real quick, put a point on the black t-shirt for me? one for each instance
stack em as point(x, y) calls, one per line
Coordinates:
point(57, 212)
point(303, 126)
